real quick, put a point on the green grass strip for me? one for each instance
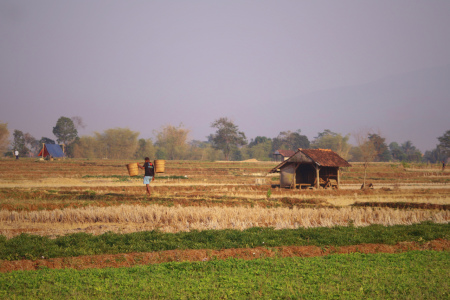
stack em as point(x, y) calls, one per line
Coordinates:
point(409, 275)
point(26, 246)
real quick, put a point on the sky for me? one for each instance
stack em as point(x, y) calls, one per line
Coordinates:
point(269, 66)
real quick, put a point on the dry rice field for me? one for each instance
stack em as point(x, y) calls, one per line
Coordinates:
point(68, 196)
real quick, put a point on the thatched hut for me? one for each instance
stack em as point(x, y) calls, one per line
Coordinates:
point(311, 168)
point(282, 155)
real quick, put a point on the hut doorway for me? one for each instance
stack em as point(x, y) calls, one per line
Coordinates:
point(305, 175)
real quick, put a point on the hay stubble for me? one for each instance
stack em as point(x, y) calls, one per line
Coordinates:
point(130, 218)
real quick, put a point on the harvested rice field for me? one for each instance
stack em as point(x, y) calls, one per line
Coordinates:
point(69, 196)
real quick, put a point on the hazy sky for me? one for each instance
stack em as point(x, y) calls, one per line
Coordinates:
point(145, 64)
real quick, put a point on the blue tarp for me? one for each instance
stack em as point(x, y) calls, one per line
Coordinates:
point(53, 150)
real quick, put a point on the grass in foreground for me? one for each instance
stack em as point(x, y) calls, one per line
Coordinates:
point(411, 275)
point(33, 247)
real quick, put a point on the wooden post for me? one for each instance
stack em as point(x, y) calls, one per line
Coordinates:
point(295, 176)
point(293, 180)
point(43, 150)
point(317, 177)
point(337, 178)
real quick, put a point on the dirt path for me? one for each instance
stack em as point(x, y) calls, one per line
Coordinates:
point(74, 182)
point(106, 182)
point(402, 186)
point(133, 259)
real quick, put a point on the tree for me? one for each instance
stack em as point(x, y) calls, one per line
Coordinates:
point(227, 137)
point(196, 150)
point(65, 130)
point(412, 153)
point(31, 143)
point(381, 149)
point(355, 154)
point(367, 148)
point(289, 140)
point(78, 122)
point(259, 140)
point(325, 133)
point(259, 148)
point(334, 141)
point(261, 151)
point(69, 150)
point(397, 152)
point(87, 147)
point(118, 143)
point(434, 156)
point(444, 143)
point(237, 154)
point(46, 140)
point(145, 148)
point(406, 152)
point(19, 143)
point(172, 142)
point(202, 150)
point(4, 138)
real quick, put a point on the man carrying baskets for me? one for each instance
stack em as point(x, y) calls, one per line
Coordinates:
point(149, 173)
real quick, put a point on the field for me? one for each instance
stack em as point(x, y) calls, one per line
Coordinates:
point(226, 226)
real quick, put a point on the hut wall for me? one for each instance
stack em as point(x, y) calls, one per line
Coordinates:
point(328, 173)
point(287, 175)
point(305, 174)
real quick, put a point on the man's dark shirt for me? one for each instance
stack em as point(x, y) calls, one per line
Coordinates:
point(149, 170)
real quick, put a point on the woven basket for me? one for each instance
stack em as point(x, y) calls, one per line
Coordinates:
point(133, 169)
point(159, 165)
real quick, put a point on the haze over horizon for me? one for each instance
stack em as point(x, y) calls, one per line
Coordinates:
point(270, 66)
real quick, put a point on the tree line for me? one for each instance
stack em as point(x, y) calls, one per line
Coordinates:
point(226, 143)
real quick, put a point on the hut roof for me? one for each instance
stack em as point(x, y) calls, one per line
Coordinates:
point(285, 153)
point(326, 158)
point(321, 157)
